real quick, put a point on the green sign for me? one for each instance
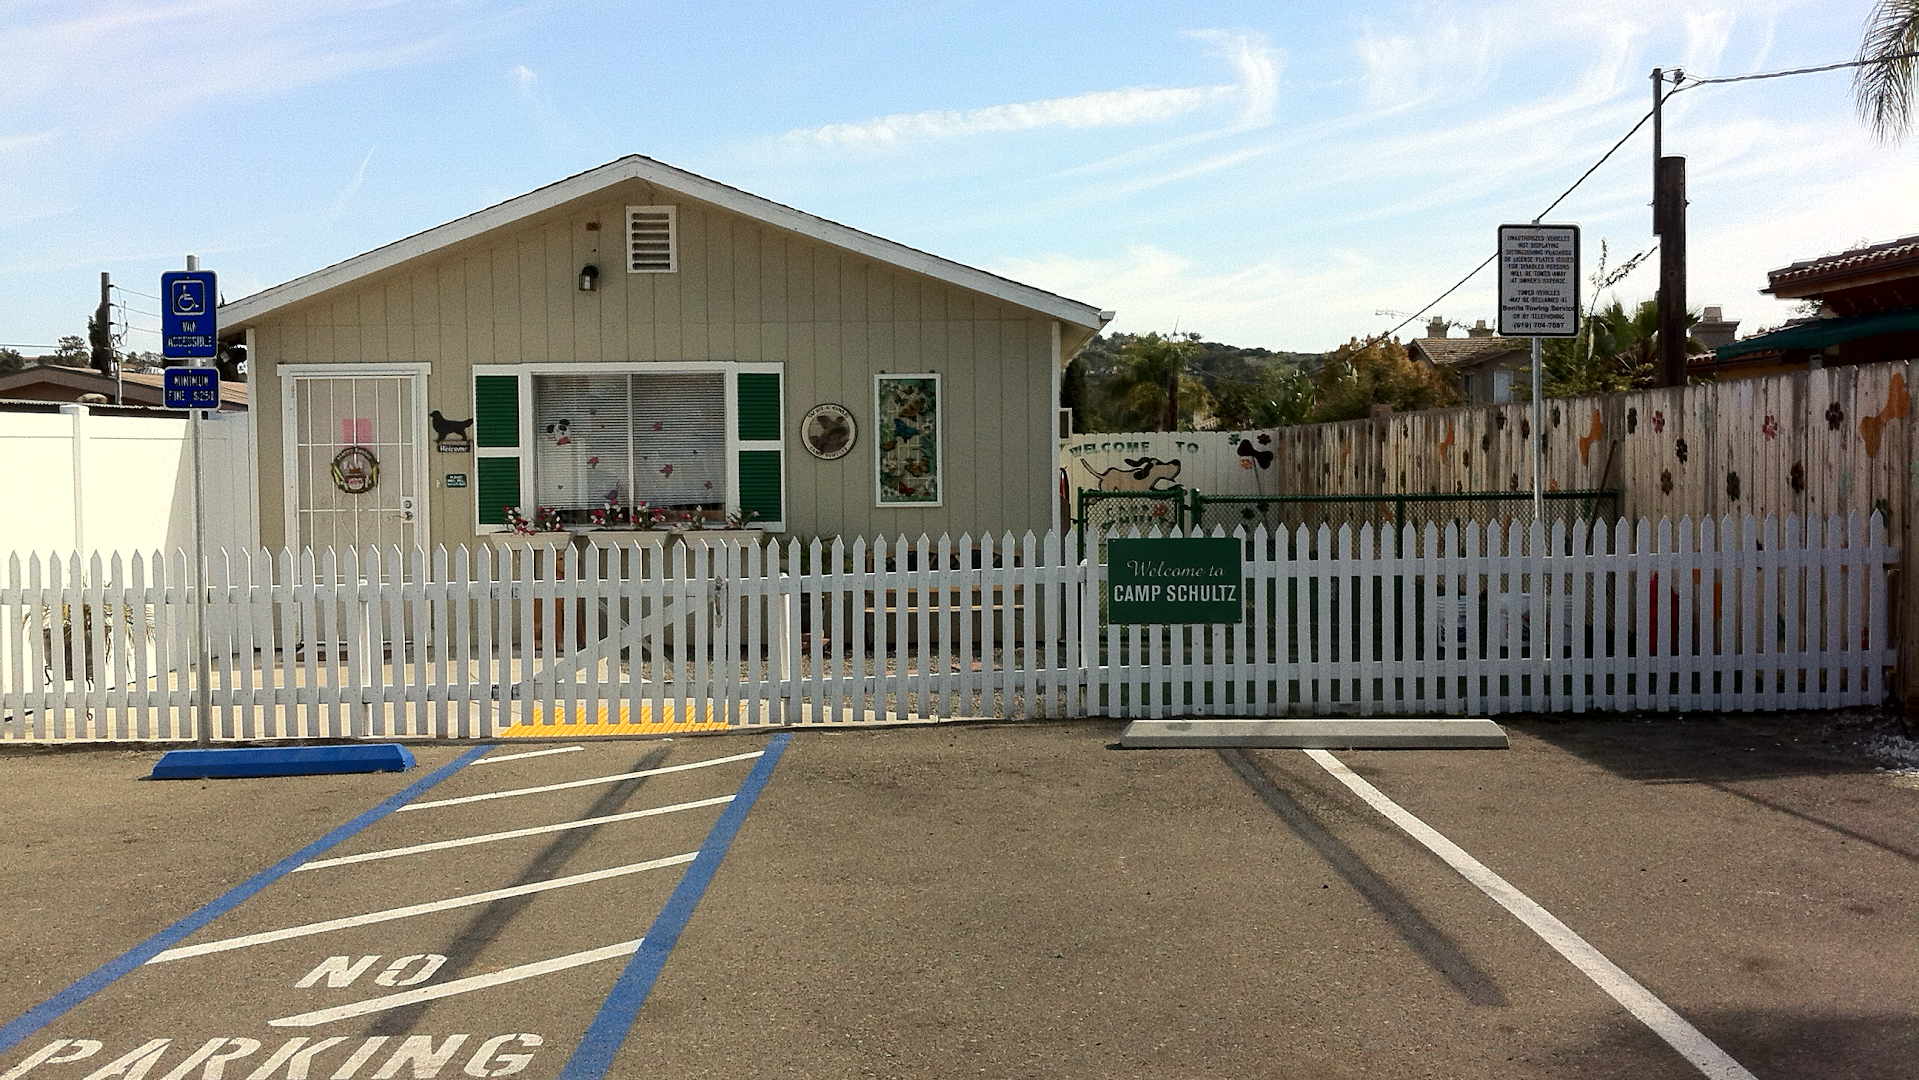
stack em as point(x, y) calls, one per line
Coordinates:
point(1193, 580)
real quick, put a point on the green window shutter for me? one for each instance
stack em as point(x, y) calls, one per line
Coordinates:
point(496, 411)
point(760, 485)
point(496, 487)
point(759, 405)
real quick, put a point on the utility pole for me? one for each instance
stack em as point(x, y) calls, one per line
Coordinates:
point(1669, 210)
point(1669, 224)
point(1172, 397)
point(100, 328)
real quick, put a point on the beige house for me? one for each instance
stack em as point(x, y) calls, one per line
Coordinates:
point(1486, 367)
point(637, 334)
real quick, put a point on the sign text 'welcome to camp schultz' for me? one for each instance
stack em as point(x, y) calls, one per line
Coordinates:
point(1173, 580)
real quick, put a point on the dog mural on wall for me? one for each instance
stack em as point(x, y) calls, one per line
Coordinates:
point(1135, 474)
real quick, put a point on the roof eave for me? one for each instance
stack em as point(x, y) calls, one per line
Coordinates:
point(239, 313)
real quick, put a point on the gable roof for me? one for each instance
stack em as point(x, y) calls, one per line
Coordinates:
point(237, 313)
point(1454, 352)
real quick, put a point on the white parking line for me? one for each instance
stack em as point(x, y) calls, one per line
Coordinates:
point(1705, 1054)
point(390, 914)
point(581, 783)
point(528, 754)
point(534, 830)
point(458, 986)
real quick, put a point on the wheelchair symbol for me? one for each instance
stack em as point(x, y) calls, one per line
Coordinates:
point(189, 297)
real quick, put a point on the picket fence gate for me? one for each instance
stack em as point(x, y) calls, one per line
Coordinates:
point(610, 638)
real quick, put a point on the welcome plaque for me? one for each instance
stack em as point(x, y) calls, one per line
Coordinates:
point(1162, 580)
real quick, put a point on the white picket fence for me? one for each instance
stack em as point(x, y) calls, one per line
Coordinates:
point(1729, 615)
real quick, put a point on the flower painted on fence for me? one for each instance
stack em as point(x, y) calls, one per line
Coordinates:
point(1771, 426)
point(1834, 416)
point(1658, 420)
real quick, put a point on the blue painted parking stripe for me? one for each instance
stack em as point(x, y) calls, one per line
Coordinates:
point(607, 1033)
point(59, 1004)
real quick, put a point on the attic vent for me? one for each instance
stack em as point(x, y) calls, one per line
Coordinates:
point(649, 240)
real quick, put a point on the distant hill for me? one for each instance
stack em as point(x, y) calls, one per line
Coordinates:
point(1245, 386)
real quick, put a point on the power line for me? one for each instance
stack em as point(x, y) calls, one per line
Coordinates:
point(1692, 82)
point(136, 292)
point(1549, 209)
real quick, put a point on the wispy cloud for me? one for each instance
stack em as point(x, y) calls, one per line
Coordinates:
point(1101, 108)
point(1444, 55)
point(1255, 93)
point(352, 188)
point(1154, 289)
point(110, 70)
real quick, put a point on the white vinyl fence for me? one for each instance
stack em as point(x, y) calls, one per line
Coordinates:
point(746, 631)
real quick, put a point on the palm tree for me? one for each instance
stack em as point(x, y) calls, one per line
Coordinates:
point(1883, 85)
point(1148, 364)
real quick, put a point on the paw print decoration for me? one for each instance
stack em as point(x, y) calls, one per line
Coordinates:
point(1770, 427)
point(1834, 416)
point(1658, 421)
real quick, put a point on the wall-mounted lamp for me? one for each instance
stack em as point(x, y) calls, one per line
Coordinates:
point(589, 277)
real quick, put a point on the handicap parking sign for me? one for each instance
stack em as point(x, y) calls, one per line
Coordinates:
point(187, 323)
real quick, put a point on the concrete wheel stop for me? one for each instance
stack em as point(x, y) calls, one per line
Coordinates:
point(1316, 734)
point(247, 761)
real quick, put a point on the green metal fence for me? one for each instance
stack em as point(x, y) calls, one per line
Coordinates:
point(1105, 512)
point(1289, 512)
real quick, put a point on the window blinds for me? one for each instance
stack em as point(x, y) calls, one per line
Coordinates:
point(657, 439)
point(679, 439)
point(580, 441)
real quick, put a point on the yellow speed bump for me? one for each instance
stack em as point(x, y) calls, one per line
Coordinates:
point(570, 722)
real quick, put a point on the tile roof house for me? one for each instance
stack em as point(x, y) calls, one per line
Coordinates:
point(1486, 365)
point(1868, 312)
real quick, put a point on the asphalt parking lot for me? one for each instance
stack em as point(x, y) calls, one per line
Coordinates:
point(967, 900)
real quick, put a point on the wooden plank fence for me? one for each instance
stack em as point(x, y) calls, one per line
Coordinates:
point(1812, 443)
point(1725, 614)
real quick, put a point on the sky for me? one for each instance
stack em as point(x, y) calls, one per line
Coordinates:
point(1280, 175)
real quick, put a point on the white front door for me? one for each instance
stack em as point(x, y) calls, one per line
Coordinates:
point(354, 452)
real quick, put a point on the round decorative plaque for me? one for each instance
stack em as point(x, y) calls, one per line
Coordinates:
point(829, 431)
point(355, 470)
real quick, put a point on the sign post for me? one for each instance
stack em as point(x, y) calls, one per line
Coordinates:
point(1538, 298)
point(189, 331)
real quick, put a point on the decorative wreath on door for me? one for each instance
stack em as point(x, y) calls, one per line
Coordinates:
point(355, 470)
